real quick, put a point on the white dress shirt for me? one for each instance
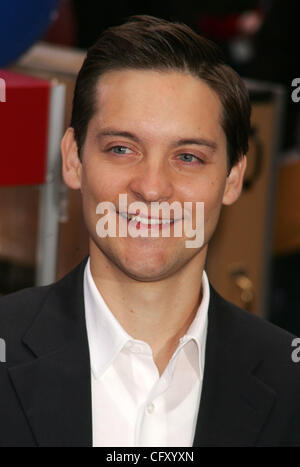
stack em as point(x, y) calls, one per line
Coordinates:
point(132, 405)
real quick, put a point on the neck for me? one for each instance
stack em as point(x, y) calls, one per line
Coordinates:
point(158, 312)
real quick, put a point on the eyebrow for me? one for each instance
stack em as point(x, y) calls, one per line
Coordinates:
point(180, 142)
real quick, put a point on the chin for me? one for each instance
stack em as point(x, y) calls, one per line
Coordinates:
point(146, 275)
point(146, 270)
point(142, 264)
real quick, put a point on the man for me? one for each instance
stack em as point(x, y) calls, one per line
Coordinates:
point(134, 347)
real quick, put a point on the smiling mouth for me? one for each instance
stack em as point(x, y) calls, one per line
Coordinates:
point(149, 221)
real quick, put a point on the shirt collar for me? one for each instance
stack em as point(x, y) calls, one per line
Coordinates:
point(107, 337)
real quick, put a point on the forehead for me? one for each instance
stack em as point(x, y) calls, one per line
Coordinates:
point(157, 101)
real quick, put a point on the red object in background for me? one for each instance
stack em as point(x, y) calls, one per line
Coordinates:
point(64, 29)
point(219, 27)
point(23, 129)
point(232, 25)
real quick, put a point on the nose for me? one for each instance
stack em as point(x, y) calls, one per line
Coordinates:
point(151, 181)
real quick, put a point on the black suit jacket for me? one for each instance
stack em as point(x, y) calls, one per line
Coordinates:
point(251, 387)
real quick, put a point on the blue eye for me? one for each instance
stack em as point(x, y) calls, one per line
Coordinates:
point(189, 157)
point(120, 150)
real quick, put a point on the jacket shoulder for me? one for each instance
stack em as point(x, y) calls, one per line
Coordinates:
point(247, 321)
point(255, 336)
point(19, 309)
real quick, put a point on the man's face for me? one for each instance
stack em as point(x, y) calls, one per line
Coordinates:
point(155, 136)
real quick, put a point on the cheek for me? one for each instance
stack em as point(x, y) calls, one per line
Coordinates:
point(98, 184)
point(209, 191)
point(213, 205)
point(215, 193)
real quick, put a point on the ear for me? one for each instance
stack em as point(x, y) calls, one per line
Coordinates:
point(71, 164)
point(234, 182)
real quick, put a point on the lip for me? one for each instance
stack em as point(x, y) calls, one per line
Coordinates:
point(159, 226)
point(142, 216)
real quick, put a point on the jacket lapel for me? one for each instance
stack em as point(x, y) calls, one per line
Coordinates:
point(54, 389)
point(234, 402)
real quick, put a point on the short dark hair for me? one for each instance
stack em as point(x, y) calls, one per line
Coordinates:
point(146, 42)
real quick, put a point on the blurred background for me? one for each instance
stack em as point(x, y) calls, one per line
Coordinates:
point(254, 259)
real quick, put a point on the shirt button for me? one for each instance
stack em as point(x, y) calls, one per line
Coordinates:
point(136, 349)
point(150, 408)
